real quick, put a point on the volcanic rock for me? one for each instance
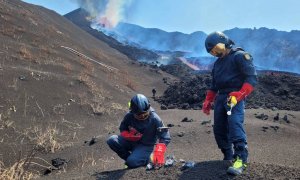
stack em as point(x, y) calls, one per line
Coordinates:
point(271, 90)
point(276, 118)
point(262, 116)
point(187, 120)
point(285, 118)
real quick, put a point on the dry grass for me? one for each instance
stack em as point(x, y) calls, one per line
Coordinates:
point(97, 102)
point(98, 108)
point(130, 84)
point(89, 67)
point(59, 109)
point(100, 101)
point(8, 31)
point(68, 68)
point(16, 171)
point(20, 169)
point(117, 106)
point(45, 50)
point(114, 107)
point(110, 127)
point(23, 168)
point(25, 53)
point(128, 81)
point(100, 54)
point(5, 122)
point(87, 159)
point(47, 140)
point(14, 84)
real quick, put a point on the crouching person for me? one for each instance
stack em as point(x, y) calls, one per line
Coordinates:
point(140, 135)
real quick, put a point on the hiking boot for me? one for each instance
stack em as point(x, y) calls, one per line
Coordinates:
point(237, 167)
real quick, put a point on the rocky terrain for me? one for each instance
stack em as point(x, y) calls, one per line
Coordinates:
point(275, 90)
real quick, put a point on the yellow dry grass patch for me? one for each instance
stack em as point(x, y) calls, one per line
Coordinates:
point(16, 171)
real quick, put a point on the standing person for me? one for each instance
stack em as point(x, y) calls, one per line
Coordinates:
point(153, 92)
point(139, 132)
point(233, 79)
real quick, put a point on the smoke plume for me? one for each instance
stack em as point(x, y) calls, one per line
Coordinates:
point(107, 13)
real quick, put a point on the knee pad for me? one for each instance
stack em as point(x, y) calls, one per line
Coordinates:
point(112, 139)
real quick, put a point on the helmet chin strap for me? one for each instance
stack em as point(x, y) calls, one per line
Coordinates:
point(147, 114)
point(227, 51)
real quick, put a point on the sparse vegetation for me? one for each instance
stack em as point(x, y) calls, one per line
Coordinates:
point(67, 67)
point(130, 84)
point(88, 66)
point(14, 84)
point(16, 171)
point(87, 159)
point(117, 106)
point(5, 122)
point(22, 169)
point(47, 140)
point(45, 50)
point(127, 80)
point(25, 53)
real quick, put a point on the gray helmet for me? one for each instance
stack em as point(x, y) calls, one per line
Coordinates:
point(139, 104)
point(217, 37)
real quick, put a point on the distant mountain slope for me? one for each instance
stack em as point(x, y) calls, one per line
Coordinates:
point(156, 39)
point(79, 17)
point(271, 49)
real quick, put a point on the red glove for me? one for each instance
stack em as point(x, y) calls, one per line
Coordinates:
point(158, 158)
point(244, 92)
point(210, 97)
point(131, 135)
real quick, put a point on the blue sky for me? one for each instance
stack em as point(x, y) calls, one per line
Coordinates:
point(202, 15)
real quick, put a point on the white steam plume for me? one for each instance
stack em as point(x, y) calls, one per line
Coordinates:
point(108, 13)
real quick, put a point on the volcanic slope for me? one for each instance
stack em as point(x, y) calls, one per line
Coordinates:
point(80, 18)
point(55, 98)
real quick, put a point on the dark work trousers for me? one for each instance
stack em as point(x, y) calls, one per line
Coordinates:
point(228, 130)
point(134, 154)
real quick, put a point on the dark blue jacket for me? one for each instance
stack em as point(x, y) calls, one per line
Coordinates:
point(232, 71)
point(147, 127)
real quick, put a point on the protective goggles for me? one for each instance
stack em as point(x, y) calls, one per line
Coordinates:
point(218, 50)
point(142, 115)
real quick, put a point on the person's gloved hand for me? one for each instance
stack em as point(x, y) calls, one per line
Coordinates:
point(158, 156)
point(241, 94)
point(131, 135)
point(232, 101)
point(210, 96)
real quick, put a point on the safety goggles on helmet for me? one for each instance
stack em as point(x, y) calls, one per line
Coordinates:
point(218, 50)
point(139, 104)
point(217, 37)
point(142, 115)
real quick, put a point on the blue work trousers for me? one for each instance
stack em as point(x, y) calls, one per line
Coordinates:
point(135, 154)
point(228, 129)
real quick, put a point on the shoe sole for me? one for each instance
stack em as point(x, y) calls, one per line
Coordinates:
point(232, 171)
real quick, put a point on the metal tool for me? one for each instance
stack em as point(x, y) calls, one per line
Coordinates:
point(161, 129)
point(229, 112)
point(232, 101)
